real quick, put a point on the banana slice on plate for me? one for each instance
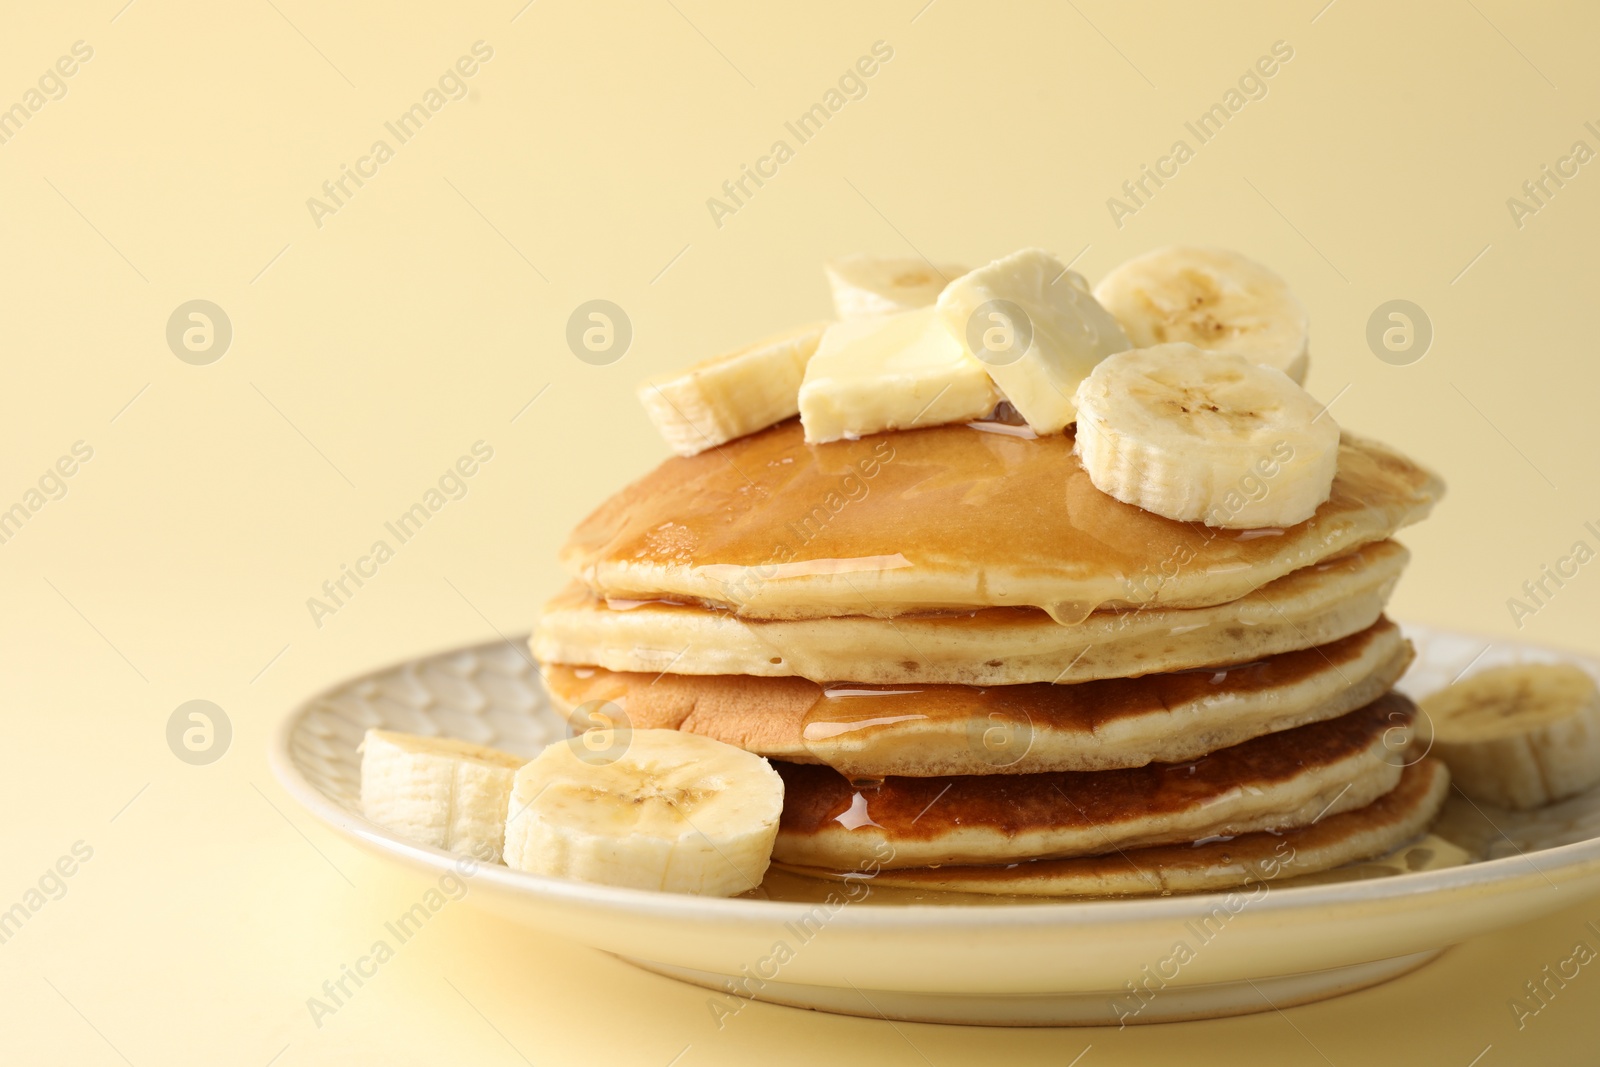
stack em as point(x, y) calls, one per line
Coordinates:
point(733, 394)
point(1205, 437)
point(1036, 329)
point(1214, 299)
point(1519, 736)
point(438, 791)
point(866, 286)
point(646, 809)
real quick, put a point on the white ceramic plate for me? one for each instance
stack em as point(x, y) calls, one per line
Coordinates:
point(1084, 963)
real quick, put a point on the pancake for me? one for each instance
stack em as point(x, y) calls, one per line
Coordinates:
point(1277, 781)
point(1247, 860)
point(995, 646)
point(949, 518)
point(865, 731)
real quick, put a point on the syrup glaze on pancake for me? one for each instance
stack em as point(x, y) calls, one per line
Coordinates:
point(994, 646)
point(826, 815)
point(865, 730)
point(1246, 860)
point(948, 518)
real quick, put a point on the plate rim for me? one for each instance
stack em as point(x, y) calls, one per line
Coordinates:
point(1090, 912)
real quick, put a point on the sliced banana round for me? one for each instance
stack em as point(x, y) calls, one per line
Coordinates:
point(1519, 736)
point(646, 809)
point(438, 791)
point(1212, 298)
point(1205, 437)
point(866, 286)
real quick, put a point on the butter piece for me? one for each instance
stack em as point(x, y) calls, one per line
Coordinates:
point(1035, 328)
point(891, 373)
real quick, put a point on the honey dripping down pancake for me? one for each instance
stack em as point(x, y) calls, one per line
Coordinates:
point(996, 646)
point(1249, 859)
point(1277, 781)
point(949, 518)
point(866, 731)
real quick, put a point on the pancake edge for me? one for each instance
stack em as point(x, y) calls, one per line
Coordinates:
point(1405, 812)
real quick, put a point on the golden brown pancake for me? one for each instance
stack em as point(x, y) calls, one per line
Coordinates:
point(949, 518)
point(1246, 860)
point(1278, 781)
point(866, 731)
point(995, 646)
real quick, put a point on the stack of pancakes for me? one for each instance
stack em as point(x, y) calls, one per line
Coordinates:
point(977, 672)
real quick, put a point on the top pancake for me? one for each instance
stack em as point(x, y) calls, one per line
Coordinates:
point(949, 518)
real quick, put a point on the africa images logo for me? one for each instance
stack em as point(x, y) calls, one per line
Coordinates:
point(1252, 85)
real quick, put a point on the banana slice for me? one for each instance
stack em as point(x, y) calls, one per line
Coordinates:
point(646, 809)
point(733, 394)
point(1205, 436)
point(892, 373)
point(866, 286)
point(1036, 329)
point(1212, 298)
point(1520, 736)
point(438, 791)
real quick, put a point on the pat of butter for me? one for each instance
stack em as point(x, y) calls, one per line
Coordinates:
point(1035, 328)
point(891, 373)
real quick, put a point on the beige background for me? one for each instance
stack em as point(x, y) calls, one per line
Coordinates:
point(370, 352)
